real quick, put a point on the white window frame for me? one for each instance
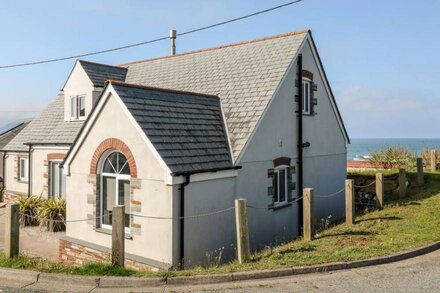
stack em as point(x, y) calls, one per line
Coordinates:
point(277, 170)
point(58, 193)
point(306, 97)
point(24, 178)
point(75, 107)
point(117, 177)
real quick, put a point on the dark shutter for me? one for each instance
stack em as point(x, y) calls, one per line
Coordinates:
point(49, 179)
point(291, 186)
point(273, 190)
point(313, 100)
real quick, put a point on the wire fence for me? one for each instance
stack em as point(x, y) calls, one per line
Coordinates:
point(331, 194)
point(134, 215)
point(365, 186)
point(392, 178)
point(65, 221)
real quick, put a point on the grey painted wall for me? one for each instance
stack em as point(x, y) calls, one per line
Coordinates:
point(276, 136)
point(212, 238)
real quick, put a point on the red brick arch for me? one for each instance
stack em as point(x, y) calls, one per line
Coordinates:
point(113, 144)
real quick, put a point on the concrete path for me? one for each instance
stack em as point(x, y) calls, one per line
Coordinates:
point(414, 275)
point(33, 240)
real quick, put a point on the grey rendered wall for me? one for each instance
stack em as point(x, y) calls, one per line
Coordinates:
point(210, 238)
point(276, 136)
point(1, 165)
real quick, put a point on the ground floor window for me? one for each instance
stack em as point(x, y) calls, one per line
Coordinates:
point(56, 180)
point(23, 169)
point(115, 182)
point(281, 185)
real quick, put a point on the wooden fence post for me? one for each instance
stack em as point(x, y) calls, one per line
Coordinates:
point(433, 160)
point(349, 202)
point(309, 231)
point(12, 230)
point(380, 187)
point(420, 176)
point(118, 235)
point(402, 183)
point(242, 227)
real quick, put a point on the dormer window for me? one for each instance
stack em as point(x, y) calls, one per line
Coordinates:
point(77, 107)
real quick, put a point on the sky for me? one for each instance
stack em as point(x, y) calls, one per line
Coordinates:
point(381, 57)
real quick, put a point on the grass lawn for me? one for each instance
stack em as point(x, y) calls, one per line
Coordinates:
point(403, 224)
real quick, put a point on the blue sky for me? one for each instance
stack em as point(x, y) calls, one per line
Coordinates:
point(381, 56)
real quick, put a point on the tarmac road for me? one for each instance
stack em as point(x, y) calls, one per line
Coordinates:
point(420, 274)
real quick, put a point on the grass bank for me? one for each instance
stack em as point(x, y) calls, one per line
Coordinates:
point(403, 224)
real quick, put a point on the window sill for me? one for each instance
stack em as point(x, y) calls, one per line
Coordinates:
point(280, 206)
point(109, 232)
point(23, 181)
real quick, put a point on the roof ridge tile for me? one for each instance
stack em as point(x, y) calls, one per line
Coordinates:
point(304, 31)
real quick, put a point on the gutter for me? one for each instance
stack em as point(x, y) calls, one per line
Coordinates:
point(182, 220)
point(30, 170)
point(300, 147)
point(205, 171)
point(182, 205)
point(2, 197)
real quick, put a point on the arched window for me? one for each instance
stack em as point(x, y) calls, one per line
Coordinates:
point(115, 187)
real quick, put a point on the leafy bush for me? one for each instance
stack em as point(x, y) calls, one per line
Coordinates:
point(393, 157)
point(426, 156)
point(52, 214)
point(29, 206)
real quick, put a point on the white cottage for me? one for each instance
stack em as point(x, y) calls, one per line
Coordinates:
point(187, 134)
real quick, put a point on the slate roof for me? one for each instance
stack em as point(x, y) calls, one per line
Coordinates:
point(100, 73)
point(185, 128)
point(244, 76)
point(13, 130)
point(48, 127)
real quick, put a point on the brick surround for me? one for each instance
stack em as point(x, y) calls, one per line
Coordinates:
point(117, 144)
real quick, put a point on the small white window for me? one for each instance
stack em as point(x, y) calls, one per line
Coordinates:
point(24, 169)
point(81, 107)
point(281, 185)
point(57, 180)
point(77, 107)
point(306, 97)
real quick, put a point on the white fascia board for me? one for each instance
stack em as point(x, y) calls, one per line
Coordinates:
point(85, 131)
point(206, 176)
point(48, 147)
point(292, 63)
point(167, 174)
point(327, 88)
point(227, 133)
point(89, 124)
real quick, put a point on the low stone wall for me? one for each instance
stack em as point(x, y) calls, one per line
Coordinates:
point(9, 196)
point(81, 254)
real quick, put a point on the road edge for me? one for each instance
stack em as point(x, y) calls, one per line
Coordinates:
point(132, 282)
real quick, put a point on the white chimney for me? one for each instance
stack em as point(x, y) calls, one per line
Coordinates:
point(173, 42)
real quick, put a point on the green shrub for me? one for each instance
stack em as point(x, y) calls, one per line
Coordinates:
point(426, 156)
point(29, 206)
point(52, 213)
point(393, 157)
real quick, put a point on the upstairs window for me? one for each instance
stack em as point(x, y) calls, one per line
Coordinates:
point(281, 187)
point(306, 96)
point(23, 169)
point(77, 107)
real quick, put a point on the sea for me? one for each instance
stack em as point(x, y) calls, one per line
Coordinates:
point(361, 147)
